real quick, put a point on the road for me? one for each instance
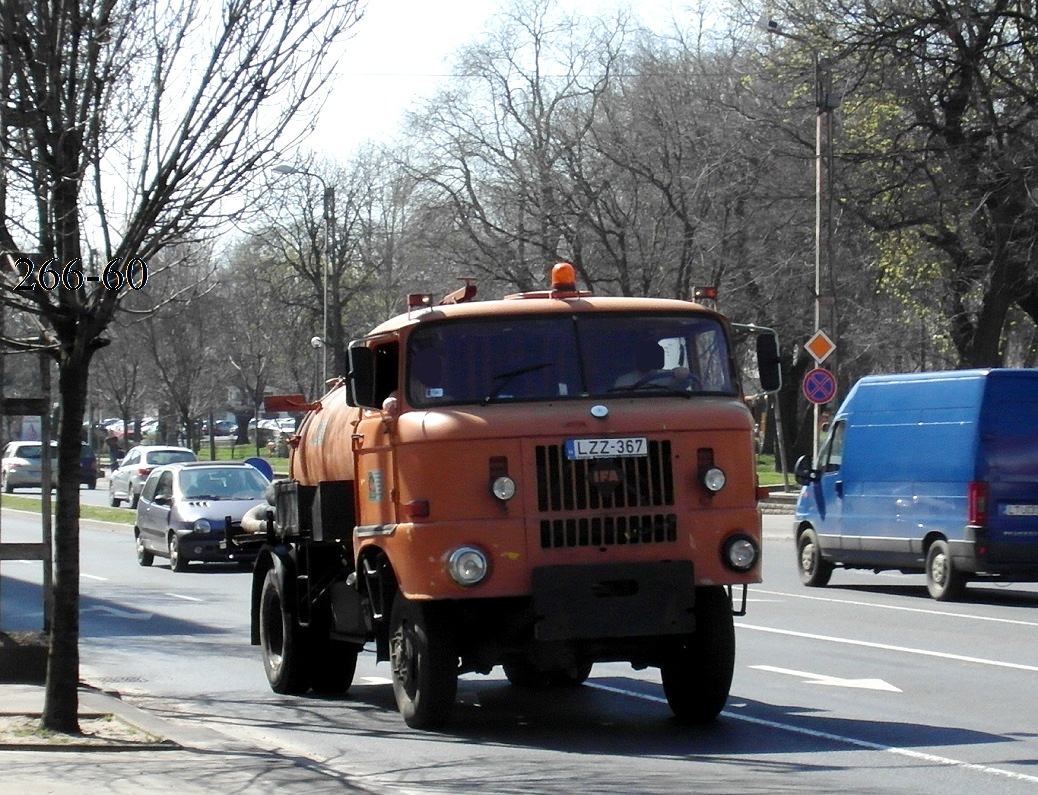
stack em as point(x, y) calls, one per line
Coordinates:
point(865, 686)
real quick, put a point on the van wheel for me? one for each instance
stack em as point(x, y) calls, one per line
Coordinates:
point(425, 662)
point(815, 570)
point(697, 669)
point(944, 582)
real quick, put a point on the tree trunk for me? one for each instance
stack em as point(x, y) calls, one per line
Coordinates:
point(61, 701)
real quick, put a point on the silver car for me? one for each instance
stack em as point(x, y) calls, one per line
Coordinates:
point(23, 465)
point(184, 509)
point(127, 480)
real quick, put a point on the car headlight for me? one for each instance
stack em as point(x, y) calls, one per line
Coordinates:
point(202, 526)
point(503, 488)
point(740, 553)
point(714, 479)
point(468, 565)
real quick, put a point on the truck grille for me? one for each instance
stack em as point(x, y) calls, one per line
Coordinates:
point(622, 484)
point(609, 531)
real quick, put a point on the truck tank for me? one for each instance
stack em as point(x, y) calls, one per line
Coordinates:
point(323, 449)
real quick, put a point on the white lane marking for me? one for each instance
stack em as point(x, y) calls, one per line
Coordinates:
point(376, 680)
point(902, 608)
point(832, 681)
point(185, 598)
point(93, 577)
point(839, 738)
point(890, 647)
point(136, 615)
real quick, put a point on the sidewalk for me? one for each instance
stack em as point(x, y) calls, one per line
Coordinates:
point(139, 751)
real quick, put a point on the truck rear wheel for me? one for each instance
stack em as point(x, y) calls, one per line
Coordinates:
point(944, 582)
point(282, 639)
point(697, 669)
point(423, 654)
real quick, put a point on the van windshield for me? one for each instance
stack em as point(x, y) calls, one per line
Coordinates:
point(517, 359)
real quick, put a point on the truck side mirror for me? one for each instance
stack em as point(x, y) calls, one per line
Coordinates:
point(768, 361)
point(360, 383)
point(803, 472)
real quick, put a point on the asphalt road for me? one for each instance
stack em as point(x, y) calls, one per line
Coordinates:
point(865, 686)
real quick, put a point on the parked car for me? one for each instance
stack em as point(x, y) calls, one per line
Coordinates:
point(184, 508)
point(221, 428)
point(23, 465)
point(127, 481)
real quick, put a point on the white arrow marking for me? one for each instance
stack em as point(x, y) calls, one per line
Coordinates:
point(112, 611)
point(832, 681)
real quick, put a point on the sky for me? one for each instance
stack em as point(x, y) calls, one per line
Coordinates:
point(401, 51)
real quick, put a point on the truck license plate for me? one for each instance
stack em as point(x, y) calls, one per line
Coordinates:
point(620, 447)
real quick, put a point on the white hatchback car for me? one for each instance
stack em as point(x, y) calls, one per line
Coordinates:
point(126, 482)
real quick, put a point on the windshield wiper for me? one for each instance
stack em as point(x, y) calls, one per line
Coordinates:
point(506, 378)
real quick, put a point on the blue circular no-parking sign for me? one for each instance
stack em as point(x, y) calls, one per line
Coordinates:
point(819, 386)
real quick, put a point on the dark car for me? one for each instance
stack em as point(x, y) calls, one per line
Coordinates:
point(184, 508)
point(88, 466)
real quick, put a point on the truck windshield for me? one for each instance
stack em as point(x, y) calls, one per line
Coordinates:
point(518, 359)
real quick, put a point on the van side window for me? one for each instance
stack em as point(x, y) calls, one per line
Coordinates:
point(831, 455)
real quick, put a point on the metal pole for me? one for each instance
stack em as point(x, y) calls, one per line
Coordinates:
point(819, 189)
point(329, 256)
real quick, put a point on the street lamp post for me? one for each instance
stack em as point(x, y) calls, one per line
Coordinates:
point(328, 207)
point(825, 104)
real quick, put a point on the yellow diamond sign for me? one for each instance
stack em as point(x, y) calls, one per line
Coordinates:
point(820, 346)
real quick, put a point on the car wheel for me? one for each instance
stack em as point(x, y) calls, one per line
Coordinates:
point(144, 557)
point(283, 641)
point(112, 499)
point(135, 497)
point(177, 559)
point(815, 571)
point(8, 488)
point(697, 669)
point(425, 662)
point(944, 582)
point(91, 484)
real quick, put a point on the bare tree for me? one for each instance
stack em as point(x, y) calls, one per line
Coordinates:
point(128, 124)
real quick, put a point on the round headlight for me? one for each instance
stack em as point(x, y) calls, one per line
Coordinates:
point(202, 526)
point(740, 553)
point(714, 479)
point(503, 488)
point(467, 565)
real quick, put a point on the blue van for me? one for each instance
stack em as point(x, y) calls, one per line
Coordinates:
point(926, 472)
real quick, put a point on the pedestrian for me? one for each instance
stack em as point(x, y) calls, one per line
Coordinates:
point(113, 451)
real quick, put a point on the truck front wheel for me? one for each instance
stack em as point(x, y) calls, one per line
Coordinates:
point(282, 639)
point(697, 669)
point(424, 657)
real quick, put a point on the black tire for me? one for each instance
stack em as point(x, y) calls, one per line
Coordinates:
point(177, 559)
point(815, 571)
point(8, 488)
point(144, 557)
point(91, 484)
point(134, 499)
point(697, 669)
point(522, 673)
point(112, 499)
point(333, 664)
point(282, 640)
point(944, 582)
point(425, 662)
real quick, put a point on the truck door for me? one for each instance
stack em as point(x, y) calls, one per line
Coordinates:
point(373, 442)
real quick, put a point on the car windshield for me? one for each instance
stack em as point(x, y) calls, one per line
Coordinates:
point(31, 451)
point(222, 483)
point(515, 359)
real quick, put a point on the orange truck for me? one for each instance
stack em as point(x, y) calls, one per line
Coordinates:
point(540, 483)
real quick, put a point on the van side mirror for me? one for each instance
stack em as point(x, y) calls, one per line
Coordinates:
point(769, 363)
point(803, 472)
